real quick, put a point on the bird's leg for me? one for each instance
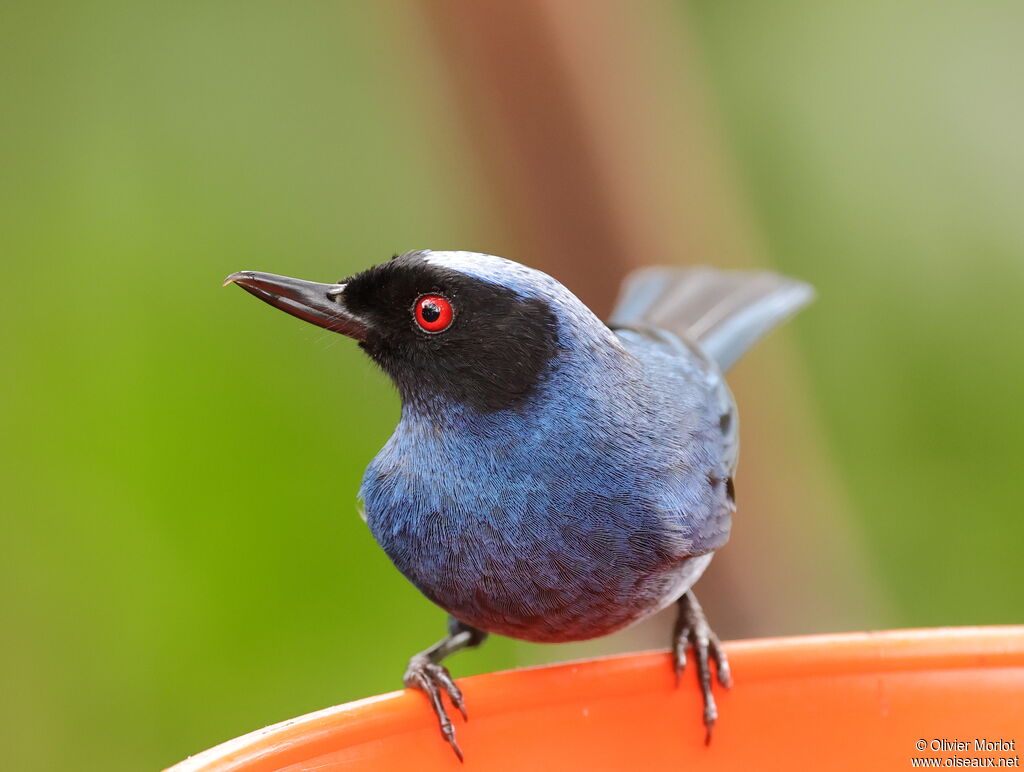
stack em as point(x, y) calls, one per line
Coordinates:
point(426, 673)
point(692, 629)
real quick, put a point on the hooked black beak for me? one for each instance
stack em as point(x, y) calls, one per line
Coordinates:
point(319, 304)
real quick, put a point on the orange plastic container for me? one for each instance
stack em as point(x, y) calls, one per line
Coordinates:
point(835, 702)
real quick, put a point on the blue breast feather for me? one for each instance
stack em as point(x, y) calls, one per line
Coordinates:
point(573, 514)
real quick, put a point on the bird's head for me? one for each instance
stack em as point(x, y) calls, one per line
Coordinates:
point(448, 327)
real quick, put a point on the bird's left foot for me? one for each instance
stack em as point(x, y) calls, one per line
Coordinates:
point(692, 629)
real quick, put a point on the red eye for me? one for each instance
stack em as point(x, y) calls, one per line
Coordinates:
point(433, 313)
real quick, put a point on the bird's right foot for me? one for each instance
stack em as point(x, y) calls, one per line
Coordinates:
point(426, 674)
point(431, 678)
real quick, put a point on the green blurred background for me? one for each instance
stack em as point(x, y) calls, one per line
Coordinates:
point(183, 561)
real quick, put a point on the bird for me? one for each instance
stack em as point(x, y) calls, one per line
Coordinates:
point(552, 477)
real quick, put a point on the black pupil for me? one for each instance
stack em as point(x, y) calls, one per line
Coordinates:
point(431, 312)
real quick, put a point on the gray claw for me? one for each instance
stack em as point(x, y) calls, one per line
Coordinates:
point(721, 662)
point(454, 692)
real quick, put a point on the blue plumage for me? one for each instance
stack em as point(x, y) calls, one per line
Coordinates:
point(559, 519)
